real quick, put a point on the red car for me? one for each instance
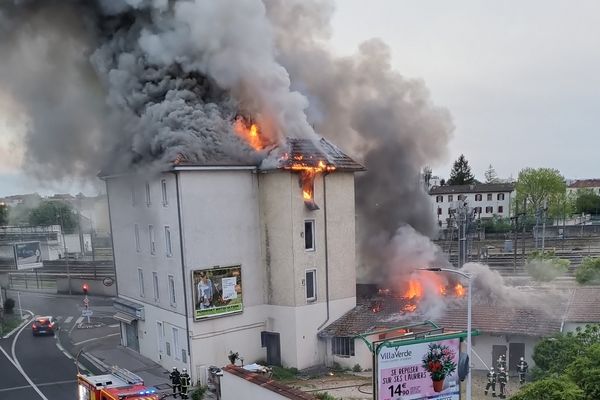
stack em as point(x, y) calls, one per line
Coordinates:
point(44, 326)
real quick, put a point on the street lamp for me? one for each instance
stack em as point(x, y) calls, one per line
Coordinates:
point(468, 276)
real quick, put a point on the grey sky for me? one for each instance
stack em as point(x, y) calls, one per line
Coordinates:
point(520, 79)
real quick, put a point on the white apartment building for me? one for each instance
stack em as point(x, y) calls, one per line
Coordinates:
point(218, 259)
point(584, 184)
point(486, 200)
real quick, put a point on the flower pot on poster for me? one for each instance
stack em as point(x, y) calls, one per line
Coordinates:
point(438, 386)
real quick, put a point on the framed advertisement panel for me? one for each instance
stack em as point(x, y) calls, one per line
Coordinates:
point(28, 255)
point(418, 370)
point(217, 292)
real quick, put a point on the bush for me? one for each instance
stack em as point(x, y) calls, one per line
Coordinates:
point(198, 394)
point(496, 225)
point(550, 389)
point(324, 396)
point(282, 374)
point(588, 271)
point(357, 368)
point(9, 306)
point(545, 266)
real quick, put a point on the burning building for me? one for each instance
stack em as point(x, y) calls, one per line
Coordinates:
point(243, 258)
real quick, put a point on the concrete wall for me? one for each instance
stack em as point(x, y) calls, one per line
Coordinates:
point(96, 286)
point(234, 388)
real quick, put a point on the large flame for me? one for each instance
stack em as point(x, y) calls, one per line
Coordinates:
point(250, 133)
point(414, 290)
point(420, 285)
point(459, 290)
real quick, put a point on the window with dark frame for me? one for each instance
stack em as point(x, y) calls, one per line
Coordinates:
point(155, 285)
point(309, 234)
point(148, 198)
point(478, 197)
point(136, 231)
point(450, 198)
point(311, 284)
point(489, 196)
point(500, 209)
point(439, 211)
point(172, 289)
point(489, 210)
point(141, 281)
point(439, 199)
point(342, 346)
point(500, 196)
point(168, 245)
point(163, 185)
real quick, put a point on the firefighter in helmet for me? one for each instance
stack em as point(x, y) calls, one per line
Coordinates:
point(175, 377)
point(502, 380)
point(501, 363)
point(185, 383)
point(491, 382)
point(522, 370)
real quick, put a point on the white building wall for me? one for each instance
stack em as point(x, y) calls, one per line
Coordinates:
point(445, 204)
point(235, 388)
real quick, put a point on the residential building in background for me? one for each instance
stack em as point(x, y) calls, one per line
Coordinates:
point(589, 184)
point(487, 200)
point(218, 259)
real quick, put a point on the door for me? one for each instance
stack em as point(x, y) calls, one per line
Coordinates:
point(132, 336)
point(270, 340)
point(515, 352)
point(497, 350)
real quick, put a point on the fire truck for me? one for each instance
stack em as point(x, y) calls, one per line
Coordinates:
point(119, 384)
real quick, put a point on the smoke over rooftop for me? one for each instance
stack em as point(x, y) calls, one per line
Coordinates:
point(132, 82)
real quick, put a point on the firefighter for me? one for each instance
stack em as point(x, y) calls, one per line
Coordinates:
point(185, 383)
point(491, 382)
point(522, 370)
point(501, 363)
point(175, 377)
point(502, 380)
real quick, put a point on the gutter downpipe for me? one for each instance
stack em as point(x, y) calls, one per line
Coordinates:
point(326, 252)
point(181, 247)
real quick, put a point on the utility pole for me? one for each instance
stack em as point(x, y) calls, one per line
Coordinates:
point(515, 238)
point(62, 230)
point(544, 210)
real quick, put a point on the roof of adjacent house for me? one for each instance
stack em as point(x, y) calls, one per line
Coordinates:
point(523, 319)
point(312, 152)
point(268, 383)
point(585, 183)
point(474, 188)
point(584, 305)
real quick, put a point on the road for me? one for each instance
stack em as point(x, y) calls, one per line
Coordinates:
point(37, 367)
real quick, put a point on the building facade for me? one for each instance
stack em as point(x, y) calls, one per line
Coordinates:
point(218, 259)
point(484, 200)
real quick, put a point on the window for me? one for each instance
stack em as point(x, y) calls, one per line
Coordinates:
point(461, 197)
point(500, 196)
point(172, 289)
point(309, 235)
point(176, 343)
point(478, 197)
point(148, 202)
point(136, 230)
point(450, 198)
point(439, 211)
point(168, 241)
point(151, 237)
point(311, 284)
point(141, 281)
point(489, 197)
point(161, 336)
point(489, 210)
point(155, 285)
point(342, 346)
point(449, 210)
point(500, 209)
point(132, 194)
point(163, 185)
point(439, 199)
point(477, 210)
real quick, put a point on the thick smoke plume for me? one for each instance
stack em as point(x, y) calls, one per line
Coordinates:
point(130, 82)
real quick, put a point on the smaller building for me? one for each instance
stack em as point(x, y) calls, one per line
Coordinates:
point(584, 184)
point(242, 383)
point(487, 200)
point(583, 308)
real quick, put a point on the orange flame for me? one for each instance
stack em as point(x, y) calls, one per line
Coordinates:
point(414, 289)
point(250, 133)
point(410, 307)
point(442, 290)
point(459, 290)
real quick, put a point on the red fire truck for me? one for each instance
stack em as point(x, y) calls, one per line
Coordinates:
point(119, 384)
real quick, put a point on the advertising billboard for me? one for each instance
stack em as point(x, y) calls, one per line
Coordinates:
point(217, 291)
point(28, 255)
point(426, 370)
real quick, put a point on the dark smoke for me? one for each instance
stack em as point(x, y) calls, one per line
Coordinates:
point(385, 119)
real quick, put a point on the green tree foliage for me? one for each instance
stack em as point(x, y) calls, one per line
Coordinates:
point(587, 202)
point(550, 389)
point(53, 213)
point(496, 225)
point(588, 271)
point(585, 372)
point(538, 186)
point(490, 175)
point(3, 214)
point(545, 266)
point(461, 172)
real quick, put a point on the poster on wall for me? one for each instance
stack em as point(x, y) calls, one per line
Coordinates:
point(28, 255)
point(418, 371)
point(217, 291)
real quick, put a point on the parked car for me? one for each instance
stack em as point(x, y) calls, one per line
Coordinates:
point(44, 326)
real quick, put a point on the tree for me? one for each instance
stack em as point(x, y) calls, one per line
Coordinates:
point(461, 172)
point(585, 372)
point(588, 271)
point(490, 175)
point(539, 187)
point(550, 389)
point(587, 202)
point(3, 214)
point(53, 213)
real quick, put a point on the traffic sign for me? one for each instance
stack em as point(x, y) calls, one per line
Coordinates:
point(86, 313)
point(86, 301)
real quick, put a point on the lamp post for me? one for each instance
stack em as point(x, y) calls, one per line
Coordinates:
point(62, 230)
point(468, 276)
